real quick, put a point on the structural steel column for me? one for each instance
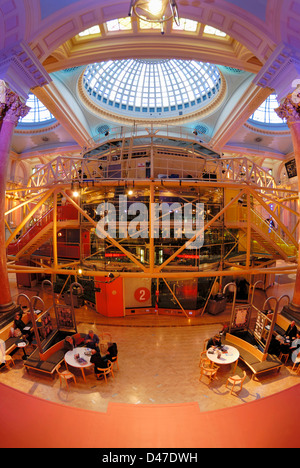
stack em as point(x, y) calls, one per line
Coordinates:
point(11, 109)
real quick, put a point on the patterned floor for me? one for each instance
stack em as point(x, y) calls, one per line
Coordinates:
point(159, 364)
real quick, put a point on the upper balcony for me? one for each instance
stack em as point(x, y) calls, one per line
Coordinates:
point(141, 154)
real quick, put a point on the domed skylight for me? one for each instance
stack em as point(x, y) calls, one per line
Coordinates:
point(265, 112)
point(152, 87)
point(38, 112)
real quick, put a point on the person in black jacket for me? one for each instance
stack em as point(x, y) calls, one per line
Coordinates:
point(291, 331)
point(214, 341)
point(99, 362)
point(69, 343)
point(112, 351)
point(20, 325)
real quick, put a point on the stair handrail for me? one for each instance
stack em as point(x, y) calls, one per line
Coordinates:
point(271, 232)
point(42, 222)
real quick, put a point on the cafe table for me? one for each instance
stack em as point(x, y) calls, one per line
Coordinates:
point(224, 355)
point(22, 343)
point(82, 362)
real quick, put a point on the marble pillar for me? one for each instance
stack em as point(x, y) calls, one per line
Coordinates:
point(11, 109)
point(290, 110)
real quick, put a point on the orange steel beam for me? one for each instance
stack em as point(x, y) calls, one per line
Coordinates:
point(27, 218)
point(174, 274)
point(110, 239)
point(174, 255)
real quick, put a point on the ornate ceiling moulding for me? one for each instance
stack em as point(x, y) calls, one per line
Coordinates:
point(107, 114)
point(266, 131)
point(20, 68)
point(31, 130)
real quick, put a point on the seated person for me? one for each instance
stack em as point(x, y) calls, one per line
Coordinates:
point(112, 351)
point(214, 341)
point(91, 340)
point(69, 343)
point(99, 362)
point(295, 347)
point(19, 326)
point(284, 348)
point(291, 331)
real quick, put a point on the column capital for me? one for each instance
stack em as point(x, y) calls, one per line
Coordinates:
point(289, 109)
point(12, 107)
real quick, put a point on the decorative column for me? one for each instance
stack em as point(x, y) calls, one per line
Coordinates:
point(20, 71)
point(11, 109)
point(290, 110)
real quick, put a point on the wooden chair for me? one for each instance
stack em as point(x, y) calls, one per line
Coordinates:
point(203, 357)
point(105, 336)
point(236, 380)
point(209, 372)
point(205, 344)
point(9, 361)
point(65, 375)
point(105, 372)
point(114, 361)
point(297, 361)
point(284, 356)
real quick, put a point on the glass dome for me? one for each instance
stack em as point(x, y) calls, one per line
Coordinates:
point(38, 112)
point(265, 113)
point(152, 87)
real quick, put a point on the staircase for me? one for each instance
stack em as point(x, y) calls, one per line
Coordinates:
point(263, 237)
point(42, 231)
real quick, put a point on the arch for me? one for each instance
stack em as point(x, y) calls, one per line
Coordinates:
point(65, 23)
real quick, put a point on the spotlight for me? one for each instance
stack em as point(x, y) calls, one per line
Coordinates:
point(75, 194)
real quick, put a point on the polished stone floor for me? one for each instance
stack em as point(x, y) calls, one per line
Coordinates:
point(158, 363)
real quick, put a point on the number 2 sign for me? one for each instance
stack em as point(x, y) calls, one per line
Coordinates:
point(142, 294)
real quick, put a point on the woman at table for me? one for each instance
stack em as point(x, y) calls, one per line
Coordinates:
point(99, 362)
point(295, 348)
point(69, 343)
point(92, 340)
point(112, 351)
point(214, 341)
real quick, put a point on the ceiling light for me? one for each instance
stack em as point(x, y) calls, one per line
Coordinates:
point(75, 194)
point(155, 11)
point(155, 6)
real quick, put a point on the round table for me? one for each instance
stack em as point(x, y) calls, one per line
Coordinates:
point(71, 361)
point(227, 355)
point(22, 344)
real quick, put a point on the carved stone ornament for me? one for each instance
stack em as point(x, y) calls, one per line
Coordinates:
point(2, 92)
point(12, 108)
point(290, 108)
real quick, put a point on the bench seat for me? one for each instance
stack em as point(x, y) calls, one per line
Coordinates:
point(256, 365)
point(52, 356)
